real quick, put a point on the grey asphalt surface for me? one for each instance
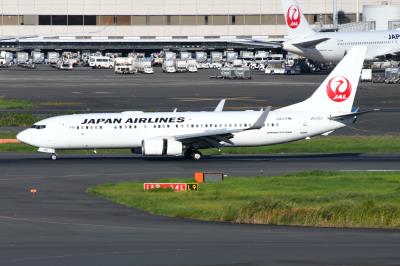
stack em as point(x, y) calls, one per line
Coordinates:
point(62, 225)
point(88, 90)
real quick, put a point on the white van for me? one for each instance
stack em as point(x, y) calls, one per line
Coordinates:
point(101, 62)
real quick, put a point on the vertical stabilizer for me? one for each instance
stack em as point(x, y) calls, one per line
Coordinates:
point(336, 94)
point(296, 22)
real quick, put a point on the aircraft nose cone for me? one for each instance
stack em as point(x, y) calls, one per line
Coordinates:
point(24, 136)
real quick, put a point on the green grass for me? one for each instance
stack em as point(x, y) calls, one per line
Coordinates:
point(17, 119)
point(16, 104)
point(26, 104)
point(327, 199)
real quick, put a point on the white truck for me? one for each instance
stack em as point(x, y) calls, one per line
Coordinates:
point(145, 67)
point(101, 62)
point(125, 69)
point(191, 66)
point(181, 65)
point(65, 64)
point(169, 66)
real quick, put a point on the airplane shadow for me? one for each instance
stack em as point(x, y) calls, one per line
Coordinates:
point(206, 158)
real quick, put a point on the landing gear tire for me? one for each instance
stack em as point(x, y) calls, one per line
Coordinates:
point(193, 154)
point(196, 155)
point(54, 157)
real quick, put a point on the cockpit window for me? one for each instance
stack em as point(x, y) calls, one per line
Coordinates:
point(38, 126)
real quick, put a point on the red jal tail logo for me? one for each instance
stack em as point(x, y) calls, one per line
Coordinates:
point(293, 16)
point(338, 89)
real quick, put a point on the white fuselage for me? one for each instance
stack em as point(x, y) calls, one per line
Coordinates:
point(129, 129)
point(379, 44)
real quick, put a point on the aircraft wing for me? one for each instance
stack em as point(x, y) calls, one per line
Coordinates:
point(7, 38)
point(309, 43)
point(393, 52)
point(255, 42)
point(214, 137)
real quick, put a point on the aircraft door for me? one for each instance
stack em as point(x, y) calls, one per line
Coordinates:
point(303, 127)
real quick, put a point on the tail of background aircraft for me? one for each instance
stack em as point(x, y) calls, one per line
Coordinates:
point(336, 94)
point(296, 22)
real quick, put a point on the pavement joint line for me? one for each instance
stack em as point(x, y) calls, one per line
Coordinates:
point(31, 220)
point(92, 254)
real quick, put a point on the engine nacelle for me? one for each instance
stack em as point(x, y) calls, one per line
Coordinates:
point(161, 146)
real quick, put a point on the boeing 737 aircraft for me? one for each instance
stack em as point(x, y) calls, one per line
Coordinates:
point(333, 46)
point(184, 133)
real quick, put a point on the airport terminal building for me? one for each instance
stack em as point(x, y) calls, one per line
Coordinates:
point(129, 21)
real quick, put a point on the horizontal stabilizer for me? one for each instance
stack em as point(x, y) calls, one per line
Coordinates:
point(351, 115)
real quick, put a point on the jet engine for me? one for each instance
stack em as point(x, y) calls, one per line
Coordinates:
point(161, 146)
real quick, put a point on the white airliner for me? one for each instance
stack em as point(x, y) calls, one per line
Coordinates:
point(333, 46)
point(184, 133)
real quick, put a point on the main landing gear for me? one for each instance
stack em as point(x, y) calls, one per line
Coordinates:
point(193, 154)
point(53, 156)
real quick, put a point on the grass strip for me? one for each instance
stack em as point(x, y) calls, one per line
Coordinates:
point(17, 119)
point(317, 198)
point(15, 104)
point(26, 104)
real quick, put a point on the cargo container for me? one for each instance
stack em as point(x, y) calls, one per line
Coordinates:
point(201, 57)
point(169, 56)
point(37, 57)
point(185, 55)
point(169, 66)
point(231, 56)
point(53, 57)
point(216, 57)
point(22, 58)
point(144, 66)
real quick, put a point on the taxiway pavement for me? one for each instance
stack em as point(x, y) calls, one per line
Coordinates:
point(63, 225)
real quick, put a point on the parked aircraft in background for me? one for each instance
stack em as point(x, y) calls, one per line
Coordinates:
point(333, 46)
point(184, 133)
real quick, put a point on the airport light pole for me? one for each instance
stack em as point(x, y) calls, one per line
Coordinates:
point(335, 22)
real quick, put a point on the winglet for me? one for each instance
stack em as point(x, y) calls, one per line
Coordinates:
point(220, 106)
point(261, 120)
